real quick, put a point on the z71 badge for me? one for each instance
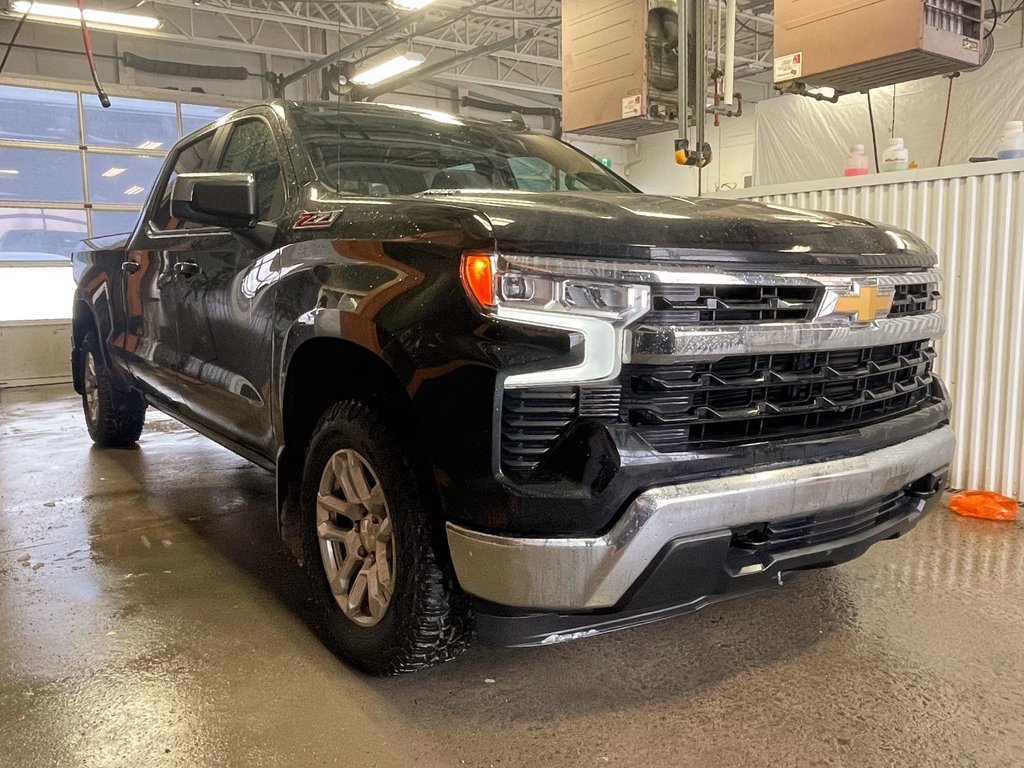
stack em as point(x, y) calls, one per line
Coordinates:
point(316, 219)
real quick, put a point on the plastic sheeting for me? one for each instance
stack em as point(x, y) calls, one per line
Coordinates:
point(800, 139)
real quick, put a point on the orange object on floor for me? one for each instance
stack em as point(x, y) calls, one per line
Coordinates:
point(984, 504)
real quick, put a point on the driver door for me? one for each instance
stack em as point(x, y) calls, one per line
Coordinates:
point(152, 283)
point(227, 295)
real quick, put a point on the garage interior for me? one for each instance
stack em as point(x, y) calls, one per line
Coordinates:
point(150, 613)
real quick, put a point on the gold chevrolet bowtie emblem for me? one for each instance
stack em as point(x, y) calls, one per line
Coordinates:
point(867, 305)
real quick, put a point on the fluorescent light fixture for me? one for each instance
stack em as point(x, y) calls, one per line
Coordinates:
point(112, 172)
point(150, 145)
point(92, 15)
point(9, 172)
point(388, 69)
point(411, 5)
point(133, 190)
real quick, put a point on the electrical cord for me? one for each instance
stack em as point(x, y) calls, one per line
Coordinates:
point(996, 14)
point(10, 45)
point(892, 131)
point(945, 121)
point(874, 134)
point(995, 20)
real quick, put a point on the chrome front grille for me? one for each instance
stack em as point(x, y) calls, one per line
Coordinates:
point(914, 299)
point(732, 358)
point(753, 303)
point(696, 405)
point(731, 304)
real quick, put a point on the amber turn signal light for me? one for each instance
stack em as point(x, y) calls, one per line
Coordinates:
point(478, 276)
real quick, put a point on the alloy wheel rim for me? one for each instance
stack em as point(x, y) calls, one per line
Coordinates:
point(92, 395)
point(357, 542)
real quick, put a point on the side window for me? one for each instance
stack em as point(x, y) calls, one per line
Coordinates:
point(251, 149)
point(190, 159)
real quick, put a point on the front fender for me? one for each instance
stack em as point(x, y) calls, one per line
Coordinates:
point(99, 294)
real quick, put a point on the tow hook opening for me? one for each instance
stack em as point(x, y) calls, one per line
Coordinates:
point(927, 486)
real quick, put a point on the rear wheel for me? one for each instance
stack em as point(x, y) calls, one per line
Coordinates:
point(372, 549)
point(114, 418)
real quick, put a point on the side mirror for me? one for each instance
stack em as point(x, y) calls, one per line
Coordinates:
point(219, 199)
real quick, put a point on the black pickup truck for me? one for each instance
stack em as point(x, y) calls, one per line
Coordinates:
point(502, 388)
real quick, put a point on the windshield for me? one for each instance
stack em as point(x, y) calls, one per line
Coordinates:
point(386, 151)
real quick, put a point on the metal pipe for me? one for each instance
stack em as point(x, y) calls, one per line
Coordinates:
point(730, 52)
point(683, 54)
point(718, 38)
point(700, 30)
point(700, 74)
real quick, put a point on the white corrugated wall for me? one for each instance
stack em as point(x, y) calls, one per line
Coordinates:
point(975, 223)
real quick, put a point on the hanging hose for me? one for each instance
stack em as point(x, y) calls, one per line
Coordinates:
point(183, 69)
point(87, 43)
point(10, 45)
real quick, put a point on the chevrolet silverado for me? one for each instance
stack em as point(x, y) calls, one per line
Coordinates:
point(502, 389)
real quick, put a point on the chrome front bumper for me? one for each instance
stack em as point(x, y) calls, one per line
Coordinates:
point(579, 574)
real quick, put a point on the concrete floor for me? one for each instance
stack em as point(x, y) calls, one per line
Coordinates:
point(150, 617)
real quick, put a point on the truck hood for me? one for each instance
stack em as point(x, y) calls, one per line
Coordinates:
point(679, 229)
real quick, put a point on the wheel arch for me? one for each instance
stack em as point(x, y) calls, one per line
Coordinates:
point(83, 320)
point(316, 375)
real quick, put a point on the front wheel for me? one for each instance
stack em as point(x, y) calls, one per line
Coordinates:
point(114, 418)
point(371, 547)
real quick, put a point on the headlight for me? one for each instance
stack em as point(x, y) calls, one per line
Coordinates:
point(518, 292)
point(496, 282)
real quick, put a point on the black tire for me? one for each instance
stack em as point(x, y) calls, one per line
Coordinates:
point(427, 620)
point(114, 418)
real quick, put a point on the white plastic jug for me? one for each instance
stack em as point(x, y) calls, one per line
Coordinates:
point(1012, 145)
point(896, 157)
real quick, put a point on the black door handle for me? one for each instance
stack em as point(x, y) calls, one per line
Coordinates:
point(187, 268)
point(131, 267)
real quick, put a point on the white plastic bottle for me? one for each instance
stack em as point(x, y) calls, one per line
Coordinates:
point(896, 157)
point(857, 162)
point(1012, 145)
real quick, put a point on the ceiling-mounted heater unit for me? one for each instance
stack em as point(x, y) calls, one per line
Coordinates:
point(856, 45)
point(620, 66)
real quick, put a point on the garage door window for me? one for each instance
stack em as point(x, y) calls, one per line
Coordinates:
point(32, 114)
point(114, 222)
point(39, 234)
point(70, 169)
point(121, 178)
point(32, 285)
point(43, 175)
point(195, 116)
point(130, 123)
